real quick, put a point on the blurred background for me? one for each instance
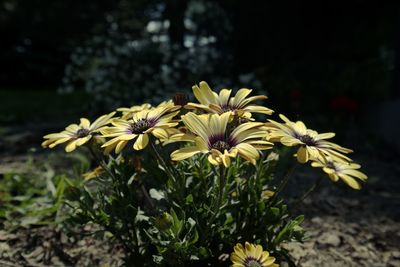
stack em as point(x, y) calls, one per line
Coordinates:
point(339, 61)
point(334, 65)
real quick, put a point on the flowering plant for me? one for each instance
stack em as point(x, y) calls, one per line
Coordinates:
point(187, 183)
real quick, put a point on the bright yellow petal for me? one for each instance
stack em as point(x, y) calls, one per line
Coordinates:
point(224, 95)
point(72, 128)
point(325, 136)
point(240, 96)
point(302, 154)
point(199, 106)
point(160, 133)
point(290, 141)
point(258, 252)
point(204, 94)
point(120, 146)
point(83, 140)
point(350, 181)
point(259, 109)
point(85, 123)
point(126, 137)
point(101, 121)
point(355, 173)
point(248, 152)
point(197, 124)
point(226, 160)
point(71, 146)
point(184, 153)
point(141, 142)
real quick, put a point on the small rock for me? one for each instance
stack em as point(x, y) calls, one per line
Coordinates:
point(329, 239)
point(396, 254)
point(316, 220)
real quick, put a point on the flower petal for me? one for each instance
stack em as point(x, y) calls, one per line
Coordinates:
point(141, 142)
point(184, 153)
point(302, 154)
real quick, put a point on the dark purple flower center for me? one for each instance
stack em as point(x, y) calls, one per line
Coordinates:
point(306, 139)
point(221, 146)
point(140, 126)
point(220, 142)
point(180, 99)
point(82, 133)
point(229, 107)
point(252, 262)
point(331, 165)
point(226, 108)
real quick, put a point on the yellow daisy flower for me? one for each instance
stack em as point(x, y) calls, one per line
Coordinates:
point(251, 256)
point(239, 105)
point(210, 136)
point(312, 145)
point(347, 172)
point(153, 121)
point(77, 135)
point(127, 112)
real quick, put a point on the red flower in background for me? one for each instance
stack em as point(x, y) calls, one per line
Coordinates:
point(295, 94)
point(344, 103)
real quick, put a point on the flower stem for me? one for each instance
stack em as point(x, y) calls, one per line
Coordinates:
point(161, 160)
point(217, 206)
point(146, 195)
point(282, 185)
point(308, 192)
point(221, 186)
point(99, 161)
point(174, 175)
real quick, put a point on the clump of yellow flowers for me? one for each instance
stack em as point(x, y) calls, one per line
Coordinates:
point(222, 128)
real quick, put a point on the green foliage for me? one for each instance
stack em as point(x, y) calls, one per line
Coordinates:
point(187, 213)
point(34, 199)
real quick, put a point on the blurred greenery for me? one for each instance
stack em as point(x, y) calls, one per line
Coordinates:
point(32, 106)
point(27, 201)
point(32, 192)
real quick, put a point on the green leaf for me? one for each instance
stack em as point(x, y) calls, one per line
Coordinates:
point(189, 199)
point(177, 225)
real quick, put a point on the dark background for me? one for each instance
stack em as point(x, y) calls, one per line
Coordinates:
point(332, 64)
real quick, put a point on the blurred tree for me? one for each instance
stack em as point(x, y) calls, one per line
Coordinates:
point(38, 36)
point(316, 49)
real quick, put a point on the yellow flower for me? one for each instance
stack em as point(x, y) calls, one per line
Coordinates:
point(266, 194)
point(93, 174)
point(341, 170)
point(127, 112)
point(155, 121)
point(239, 105)
point(77, 135)
point(251, 256)
point(312, 145)
point(210, 136)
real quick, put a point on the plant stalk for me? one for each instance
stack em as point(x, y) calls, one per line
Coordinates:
point(308, 192)
point(161, 160)
point(282, 185)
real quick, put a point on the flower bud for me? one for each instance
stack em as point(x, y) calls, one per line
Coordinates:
point(180, 99)
point(164, 221)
